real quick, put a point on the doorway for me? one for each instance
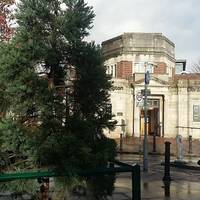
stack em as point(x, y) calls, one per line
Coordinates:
point(153, 122)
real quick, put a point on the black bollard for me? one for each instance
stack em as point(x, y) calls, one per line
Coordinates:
point(190, 144)
point(198, 162)
point(167, 162)
point(167, 188)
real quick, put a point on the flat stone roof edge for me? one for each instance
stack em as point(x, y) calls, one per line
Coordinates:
point(132, 33)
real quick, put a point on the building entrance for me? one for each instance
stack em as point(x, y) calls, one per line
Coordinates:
point(153, 121)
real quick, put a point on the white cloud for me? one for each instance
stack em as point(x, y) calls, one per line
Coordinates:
point(177, 19)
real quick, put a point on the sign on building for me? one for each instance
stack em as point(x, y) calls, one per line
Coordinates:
point(196, 113)
point(140, 103)
point(139, 96)
point(139, 99)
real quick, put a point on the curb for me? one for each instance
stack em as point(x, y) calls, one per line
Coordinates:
point(155, 153)
point(191, 166)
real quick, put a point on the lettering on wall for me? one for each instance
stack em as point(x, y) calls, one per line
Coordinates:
point(193, 89)
point(117, 88)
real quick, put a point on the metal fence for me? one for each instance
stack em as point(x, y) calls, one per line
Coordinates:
point(116, 167)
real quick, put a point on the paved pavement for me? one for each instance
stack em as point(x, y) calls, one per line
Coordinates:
point(135, 145)
point(184, 186)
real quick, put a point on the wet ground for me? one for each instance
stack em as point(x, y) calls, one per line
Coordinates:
point(184, 186)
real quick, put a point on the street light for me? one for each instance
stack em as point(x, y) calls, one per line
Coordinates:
point(145, 142)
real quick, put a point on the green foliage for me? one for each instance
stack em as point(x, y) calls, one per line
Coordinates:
point(74, 151)
point(17, 142)
point(55, 87)
point(20, 186)
point(11, 141)
point(95, 187)
point(101, 186)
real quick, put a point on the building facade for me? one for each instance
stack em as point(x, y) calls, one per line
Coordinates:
point(173, 98)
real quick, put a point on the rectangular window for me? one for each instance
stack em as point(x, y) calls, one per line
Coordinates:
point(154, 103)
point(111, 73)
point(107, 69)
point(119, 113)
point(149, 67)
point(115, 70)
point(140, 67)
point(179, 68)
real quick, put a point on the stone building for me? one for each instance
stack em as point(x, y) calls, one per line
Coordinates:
point(173, 98)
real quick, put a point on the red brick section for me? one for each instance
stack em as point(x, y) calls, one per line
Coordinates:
point(124, 69)
point(173, 72)
point(160, 69)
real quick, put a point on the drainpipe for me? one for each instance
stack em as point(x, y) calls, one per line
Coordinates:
point(177, 109)
point(163, 111)
point(188, 109)
point(133, 121)
point(133, 127)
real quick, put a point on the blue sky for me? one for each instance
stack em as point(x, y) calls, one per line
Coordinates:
point(179, 20)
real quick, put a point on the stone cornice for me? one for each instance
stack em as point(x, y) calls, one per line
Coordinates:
point(120, 51)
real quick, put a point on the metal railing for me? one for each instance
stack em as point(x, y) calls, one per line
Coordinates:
point(121, 168)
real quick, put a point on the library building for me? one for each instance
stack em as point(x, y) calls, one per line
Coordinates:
point(173, 95)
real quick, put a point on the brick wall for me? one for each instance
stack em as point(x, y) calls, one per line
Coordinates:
point(173, 72)
point(124, 69)
point(160, 69)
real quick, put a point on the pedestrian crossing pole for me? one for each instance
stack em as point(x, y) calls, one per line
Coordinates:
point(145, 142)
point(122, 133)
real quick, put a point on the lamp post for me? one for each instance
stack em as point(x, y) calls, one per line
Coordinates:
point(145, 142)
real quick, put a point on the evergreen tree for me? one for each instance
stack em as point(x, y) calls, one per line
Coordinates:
point(56, 87)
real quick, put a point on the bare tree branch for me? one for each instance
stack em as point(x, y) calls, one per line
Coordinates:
point(196, 67)
point(6, 17)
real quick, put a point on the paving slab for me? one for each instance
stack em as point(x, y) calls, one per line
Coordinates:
point(185, 184)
